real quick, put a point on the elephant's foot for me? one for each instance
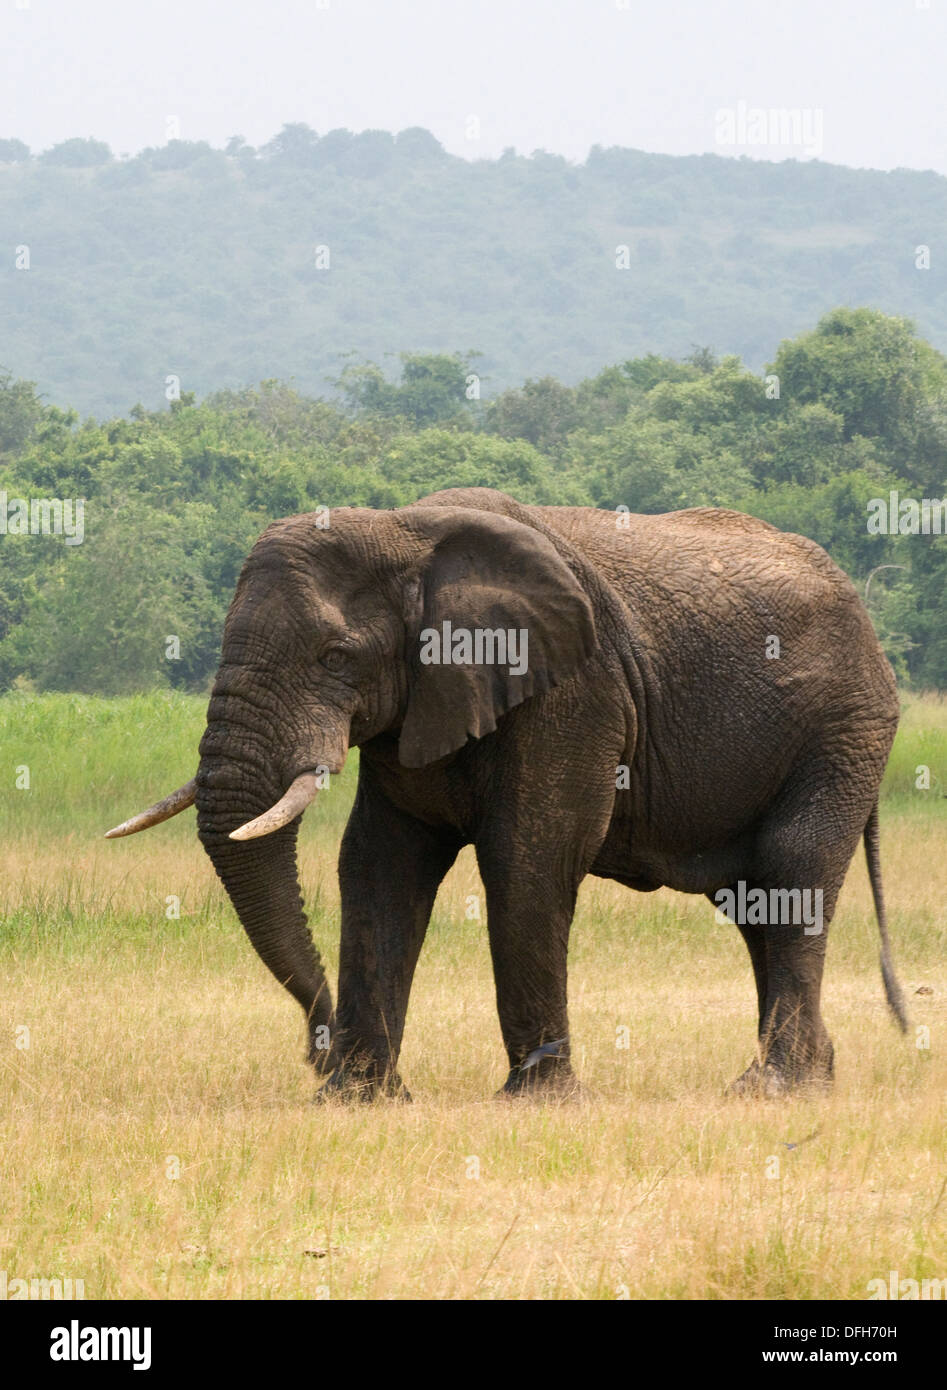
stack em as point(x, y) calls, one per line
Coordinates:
point(759, 1083)
point(563, 1091)
point(546, 1074)
point(358, 1085)
point(771, 1081)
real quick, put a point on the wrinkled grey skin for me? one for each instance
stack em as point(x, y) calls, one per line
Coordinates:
point(648, 648)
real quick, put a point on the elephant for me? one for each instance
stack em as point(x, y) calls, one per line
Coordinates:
point(694, 700)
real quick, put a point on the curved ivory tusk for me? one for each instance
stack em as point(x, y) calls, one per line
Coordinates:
point(290, 805)
point(163, 810)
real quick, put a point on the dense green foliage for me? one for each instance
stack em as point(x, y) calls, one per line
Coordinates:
point(205, 263)
point(174, 498)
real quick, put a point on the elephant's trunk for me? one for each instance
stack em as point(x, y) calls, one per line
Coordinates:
point(261, 875)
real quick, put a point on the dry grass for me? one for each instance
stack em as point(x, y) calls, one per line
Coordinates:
point(162, 1047)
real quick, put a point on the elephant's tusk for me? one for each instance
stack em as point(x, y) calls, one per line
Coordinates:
point(290, 805)
point(163, 810)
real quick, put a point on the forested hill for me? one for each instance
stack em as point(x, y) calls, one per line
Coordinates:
point(224, 267)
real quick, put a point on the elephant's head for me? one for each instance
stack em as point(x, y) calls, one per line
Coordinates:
point(328, 643)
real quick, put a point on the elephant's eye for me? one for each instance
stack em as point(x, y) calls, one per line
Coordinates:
point(334, 658)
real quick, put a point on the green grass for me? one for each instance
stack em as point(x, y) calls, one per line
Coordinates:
point(921, 743)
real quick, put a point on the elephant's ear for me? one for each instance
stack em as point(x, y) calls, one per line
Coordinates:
point(484, 575)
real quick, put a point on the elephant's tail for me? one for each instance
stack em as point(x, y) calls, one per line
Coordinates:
point(892, 987)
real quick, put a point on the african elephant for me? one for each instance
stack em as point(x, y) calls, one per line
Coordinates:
point(694, 700)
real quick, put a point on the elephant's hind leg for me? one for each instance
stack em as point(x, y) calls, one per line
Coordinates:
point(802, 852)
point(789, 1018)
point(794, 1048)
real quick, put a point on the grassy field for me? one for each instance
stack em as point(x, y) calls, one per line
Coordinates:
point(158, 1136)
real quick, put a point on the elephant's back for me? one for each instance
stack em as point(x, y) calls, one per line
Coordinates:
point(706, 557)
point(713, 595)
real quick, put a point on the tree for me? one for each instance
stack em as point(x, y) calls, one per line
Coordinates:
point(544, 412)
point(177, 154)
point(13, 152)
point(101, 620)
point(432, 389)
point(884, 382)
point(703, 358)
point(419, 145)
point(20, 411)
point(77, 154)
point(296, 143)
point(654, 465)
point(369, 154)
point(433, 459)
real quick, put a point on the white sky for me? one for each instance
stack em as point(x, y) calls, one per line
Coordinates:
point(560, 75)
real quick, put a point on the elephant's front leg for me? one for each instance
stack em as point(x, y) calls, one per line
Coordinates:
point(551, 815)
point(529, 913)
point(390, 868)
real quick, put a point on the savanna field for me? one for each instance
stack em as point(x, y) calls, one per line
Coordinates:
point(159, 1138)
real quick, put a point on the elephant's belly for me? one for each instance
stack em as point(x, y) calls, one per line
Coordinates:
point(646, 867)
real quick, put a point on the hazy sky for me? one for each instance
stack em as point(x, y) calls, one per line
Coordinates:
point(867, 77)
